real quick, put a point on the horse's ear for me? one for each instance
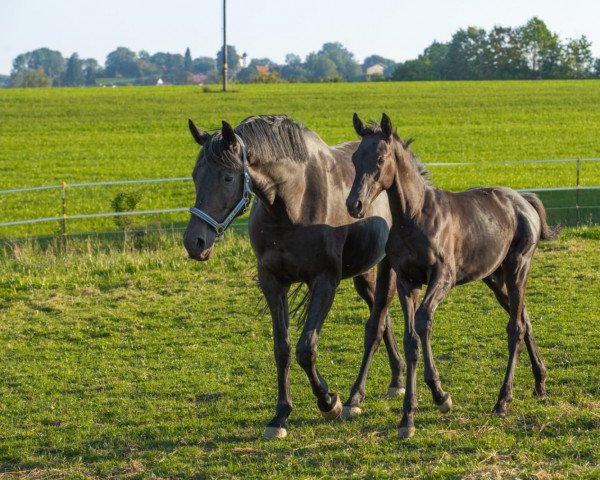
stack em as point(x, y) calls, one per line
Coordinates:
point(199, 135)
point(359, 126)
point(386, 127)
point(228, 134)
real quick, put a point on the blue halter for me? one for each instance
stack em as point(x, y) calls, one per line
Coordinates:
point(242, 205)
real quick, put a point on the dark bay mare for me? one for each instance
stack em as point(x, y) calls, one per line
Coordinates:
point(442, 239)
point(300, 231)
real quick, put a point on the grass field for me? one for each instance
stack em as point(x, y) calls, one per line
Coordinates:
point(120, 358)
point(81, 135)
point(142, 364)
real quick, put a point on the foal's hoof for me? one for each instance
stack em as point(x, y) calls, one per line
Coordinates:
point(395, 391)
point(275, 432)
point(539, 391)
point(406, 432)
point(335, 411)
point(349, 411)
point(446, 406)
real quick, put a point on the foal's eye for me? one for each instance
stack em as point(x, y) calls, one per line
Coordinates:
point(228, 178)
point(380, 161)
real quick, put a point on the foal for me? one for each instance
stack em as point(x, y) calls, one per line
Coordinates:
point(442, 239)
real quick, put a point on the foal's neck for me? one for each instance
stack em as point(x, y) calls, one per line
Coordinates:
point(407, 191)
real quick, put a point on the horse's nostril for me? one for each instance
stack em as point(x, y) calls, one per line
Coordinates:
point(201, 243)
point(358, 206)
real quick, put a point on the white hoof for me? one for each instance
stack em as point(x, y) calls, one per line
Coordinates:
point(446, 406)
point(275, 432)
point(335, 411)
point(406, 432)
point(350, 411)
point(394, 391)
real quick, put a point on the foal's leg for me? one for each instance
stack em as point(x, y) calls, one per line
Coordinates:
point(496, 284)
point(375, 329)
point(439, 285)
point(276, 296)
point(516, 268)
point(409, 297)
point(322, 292)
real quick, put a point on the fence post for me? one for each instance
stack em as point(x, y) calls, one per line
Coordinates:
point(63, 196)
point(577, 193)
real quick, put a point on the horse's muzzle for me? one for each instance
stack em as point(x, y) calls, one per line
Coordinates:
point(355, 207)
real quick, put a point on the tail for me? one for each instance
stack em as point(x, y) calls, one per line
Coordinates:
point(548, 233)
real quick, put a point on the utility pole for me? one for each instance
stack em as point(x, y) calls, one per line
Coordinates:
point(224, 45)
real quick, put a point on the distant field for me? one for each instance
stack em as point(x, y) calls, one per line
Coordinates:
point(134, 365)
point(93, 134)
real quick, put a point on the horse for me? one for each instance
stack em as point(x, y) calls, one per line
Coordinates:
point(442, 239)
point(300, 232)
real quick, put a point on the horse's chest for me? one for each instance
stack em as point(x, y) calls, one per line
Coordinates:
point(408, 260)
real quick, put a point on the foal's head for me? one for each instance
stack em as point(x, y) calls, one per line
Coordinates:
point(374, 163)
point(219, 180)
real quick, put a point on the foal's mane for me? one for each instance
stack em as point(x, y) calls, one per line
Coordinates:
point(373, 127)
point(271, 137)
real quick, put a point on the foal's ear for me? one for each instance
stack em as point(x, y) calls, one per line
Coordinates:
point(386, 127)
point(359, 126)
point(228, 134)
point(199, 135)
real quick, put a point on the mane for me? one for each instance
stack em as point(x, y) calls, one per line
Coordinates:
point(373, 127)
point(272, 137)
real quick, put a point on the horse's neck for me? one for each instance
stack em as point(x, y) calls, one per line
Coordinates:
point(283, 187)
point(407, 193)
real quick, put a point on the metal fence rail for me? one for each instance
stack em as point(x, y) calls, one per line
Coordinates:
point(64, 186)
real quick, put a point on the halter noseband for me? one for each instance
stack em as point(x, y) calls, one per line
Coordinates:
point(242, 205)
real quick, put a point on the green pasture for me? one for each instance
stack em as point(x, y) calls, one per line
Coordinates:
point(99, 134)
point(123, 362)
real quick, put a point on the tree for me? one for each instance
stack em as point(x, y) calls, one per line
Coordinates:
point(503, 56)
point(74, 75)
point(233, 60)
point(121, 62)
point(321, 68)
point(50, 61)
point(187, 61)
point(30, 78)
point(577, 58)
point(204, 65)
point(464, 56)
point(347, 68)
point(293, 59)
point(542, 48)
point(91, 70)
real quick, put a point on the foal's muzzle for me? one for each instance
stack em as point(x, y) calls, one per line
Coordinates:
point(355, 207)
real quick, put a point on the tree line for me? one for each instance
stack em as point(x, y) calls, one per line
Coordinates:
point(530, 51)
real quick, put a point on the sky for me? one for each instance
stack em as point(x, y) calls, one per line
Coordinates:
point(398, 29)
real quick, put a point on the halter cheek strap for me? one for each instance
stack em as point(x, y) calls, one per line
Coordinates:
point(242, 205)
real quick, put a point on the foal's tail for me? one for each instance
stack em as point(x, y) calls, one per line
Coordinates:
point(548, 233)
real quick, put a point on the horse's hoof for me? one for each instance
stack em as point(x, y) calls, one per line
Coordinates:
point(406, 432)
point(275, 432)
point(394, 391)
point(446, 406)
point(335, 411)
point(349, 411)
point(539, 392)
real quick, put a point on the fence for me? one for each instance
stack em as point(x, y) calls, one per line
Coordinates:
point(568, 205)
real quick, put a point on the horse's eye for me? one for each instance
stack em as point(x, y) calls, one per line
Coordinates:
point(380, 161)
point(228, 178)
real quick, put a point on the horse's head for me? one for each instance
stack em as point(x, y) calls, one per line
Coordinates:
point(373, 162)
point(221, 189)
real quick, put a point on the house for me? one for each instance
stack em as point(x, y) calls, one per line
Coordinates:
point(376, 69)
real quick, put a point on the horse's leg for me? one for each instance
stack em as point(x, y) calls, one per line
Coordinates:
point(276, 296)
point(409, 297)
point(516, 268)
point(439, 285)
point(496, 284)
point(322, 292)
point(375, 329)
